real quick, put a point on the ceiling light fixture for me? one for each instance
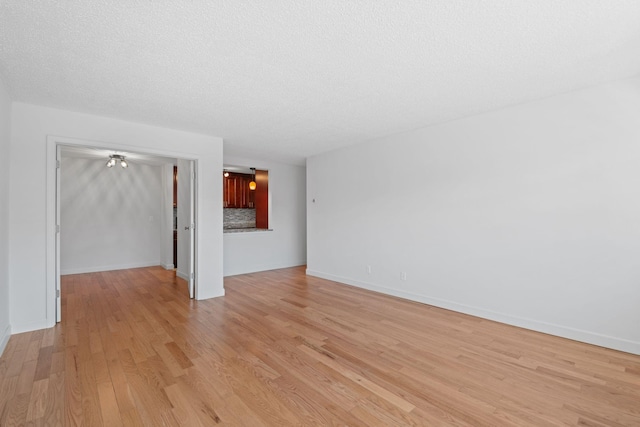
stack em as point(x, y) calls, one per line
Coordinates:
point(113, 158)
point(226, 174)
point(252, 184)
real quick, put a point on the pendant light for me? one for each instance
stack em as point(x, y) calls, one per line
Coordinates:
point(252, 184)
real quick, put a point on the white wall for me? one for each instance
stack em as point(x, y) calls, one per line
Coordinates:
point(5, 149)
point(529, 215)
point(30, 187)
point(110, 217)
point(285, 246)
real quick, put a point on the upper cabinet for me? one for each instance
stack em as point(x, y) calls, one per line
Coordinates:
point(262, 199)
point(236, 192)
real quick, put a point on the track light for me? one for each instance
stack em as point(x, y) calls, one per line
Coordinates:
point(116, 157)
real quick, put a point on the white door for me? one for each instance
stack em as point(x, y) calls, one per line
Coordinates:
point(58, 300)
point(192, 229)
point(186, 223)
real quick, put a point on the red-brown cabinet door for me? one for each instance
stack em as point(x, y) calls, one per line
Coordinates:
point(262, 199)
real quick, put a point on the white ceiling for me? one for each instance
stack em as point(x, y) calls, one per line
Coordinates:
point(289, 79)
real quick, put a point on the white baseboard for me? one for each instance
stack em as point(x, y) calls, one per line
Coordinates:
point(262, 267)
point(96, 269)
point(532, 324)
point(4, 338)
point(168, 266)
point(200, 295)
point(33, 326)
point(203, 296)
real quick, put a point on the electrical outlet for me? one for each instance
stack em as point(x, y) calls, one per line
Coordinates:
point(368, 269)
point(403, 275)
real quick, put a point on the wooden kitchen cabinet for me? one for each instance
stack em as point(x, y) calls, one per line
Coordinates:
point(236, 193)
point(175, 248)
point(262, 199)
point(175, 186)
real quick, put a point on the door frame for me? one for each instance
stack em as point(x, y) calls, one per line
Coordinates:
point(52, 247)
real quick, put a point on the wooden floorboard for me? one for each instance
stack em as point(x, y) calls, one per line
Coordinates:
point(282, 348)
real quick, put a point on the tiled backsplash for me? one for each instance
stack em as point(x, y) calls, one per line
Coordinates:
point(239, 218)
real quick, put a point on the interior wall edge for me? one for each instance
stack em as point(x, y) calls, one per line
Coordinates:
point(562, 331)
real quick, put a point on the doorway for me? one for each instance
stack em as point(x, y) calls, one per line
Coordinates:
point(99, 191)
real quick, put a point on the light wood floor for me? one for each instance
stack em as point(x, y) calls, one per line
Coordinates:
point(285, 349)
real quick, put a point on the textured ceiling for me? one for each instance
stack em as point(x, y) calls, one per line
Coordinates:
point(289, 79)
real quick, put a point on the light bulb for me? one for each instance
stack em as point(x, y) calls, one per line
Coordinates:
point(226, 174)
point(123, 163)
point(252, 185)
point(111, 162)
